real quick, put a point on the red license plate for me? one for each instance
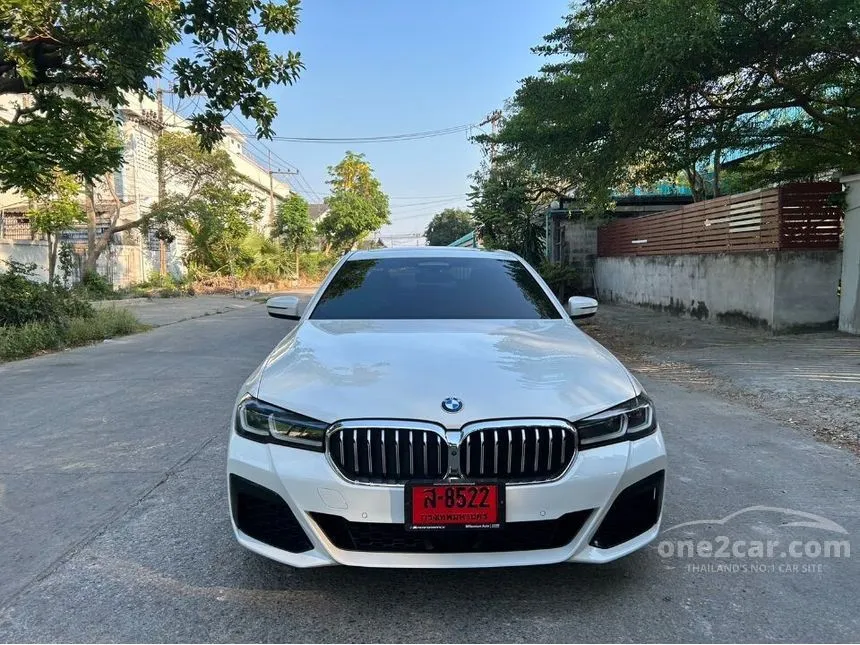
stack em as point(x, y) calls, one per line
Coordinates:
point(462, 506)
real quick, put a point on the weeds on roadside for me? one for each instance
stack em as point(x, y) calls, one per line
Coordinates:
point(37, 316)
point(25, 340)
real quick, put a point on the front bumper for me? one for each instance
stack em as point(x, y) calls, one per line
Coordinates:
point(320, 500)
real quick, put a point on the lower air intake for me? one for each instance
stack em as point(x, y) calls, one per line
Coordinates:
point(394, 538)
point(634, 511)
point(264, 515)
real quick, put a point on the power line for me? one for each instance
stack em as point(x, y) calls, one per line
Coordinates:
point(431, 202)
point(415, 216)
point(408, 136)
point(452, 196)
point(255, 144)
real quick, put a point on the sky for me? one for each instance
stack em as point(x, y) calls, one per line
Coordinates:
point(385, 67)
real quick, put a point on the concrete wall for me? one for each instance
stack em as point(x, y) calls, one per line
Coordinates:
point(121, 264)
point(573, 241)
point(784, 291)
point(26, 252)
point(806, 289)
point(849, 312)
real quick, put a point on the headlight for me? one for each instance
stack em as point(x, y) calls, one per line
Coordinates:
point(267, 423)
point(630, 420)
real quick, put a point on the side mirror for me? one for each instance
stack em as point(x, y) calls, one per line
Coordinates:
point(581, 307)
point(283, 307)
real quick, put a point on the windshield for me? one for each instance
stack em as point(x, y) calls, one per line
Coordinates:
point(434, 288)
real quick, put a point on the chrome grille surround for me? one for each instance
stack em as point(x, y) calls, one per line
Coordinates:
point(393, 452)
point(517, 451)
point(385, 452)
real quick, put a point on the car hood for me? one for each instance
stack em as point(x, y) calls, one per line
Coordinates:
point(349, 369)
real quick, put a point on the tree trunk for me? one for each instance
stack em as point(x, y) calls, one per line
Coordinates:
point(94, 249)
point(717, 157)
point(297, 267)
point(96, 244)
point(693, 180)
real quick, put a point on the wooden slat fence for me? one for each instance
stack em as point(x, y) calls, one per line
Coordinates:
point(796, 216)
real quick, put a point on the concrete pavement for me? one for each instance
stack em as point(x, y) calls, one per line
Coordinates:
point(114, 521)
point(167, 311)
point(810, 381)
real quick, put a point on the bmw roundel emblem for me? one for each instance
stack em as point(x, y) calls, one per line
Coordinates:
point(452, 404)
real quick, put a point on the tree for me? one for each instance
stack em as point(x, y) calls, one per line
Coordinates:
point(188, 170)
point(54, 213)
point(357, 205)
point(643, 90)
point(67, 136)
point(217, 221)
point(293, 226)
point(504, 200)
point(186, 167)
point(203, 200)
point(78, 59)
point(449, 225)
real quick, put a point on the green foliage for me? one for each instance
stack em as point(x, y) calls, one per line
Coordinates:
point(214, 212)
point(55, 212)
point(94, 286)
point(24, 300)
point(315, 265)
point(563, 279)
point(217, 222)
point(107, 322)
point(66, 258)
point(25, 340)
point(78, 59)
point(158, 281)
point(157, 286)
point(203, 176)
point(357, 205)
point(449, 225)
point(264, 258)
point(28, 339)
point(642, 90)
point(293, 225)
point(504, 202)
point(66, 134)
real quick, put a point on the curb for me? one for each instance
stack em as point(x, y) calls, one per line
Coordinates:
point(120, 301)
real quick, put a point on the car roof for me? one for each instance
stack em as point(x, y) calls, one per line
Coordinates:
point(430, 251)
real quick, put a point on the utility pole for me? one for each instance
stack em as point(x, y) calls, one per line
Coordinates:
point(162, 246)
point(271, 190)
point(494, 118)
point(272, 174)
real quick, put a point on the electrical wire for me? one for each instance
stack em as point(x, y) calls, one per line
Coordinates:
point(304, 185)
point(408, 136)
point(452, 195)
point(429, 203)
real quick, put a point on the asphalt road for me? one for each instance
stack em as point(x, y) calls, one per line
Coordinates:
point(114, 527)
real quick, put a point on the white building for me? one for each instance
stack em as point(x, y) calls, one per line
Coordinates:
point(131, 258)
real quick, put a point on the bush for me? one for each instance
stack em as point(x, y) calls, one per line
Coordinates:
point(94, 286)
point(107, 323)
point(23, 300)
point(28, 339)
point(563, 279)
point(157, 286)
point(315, 264)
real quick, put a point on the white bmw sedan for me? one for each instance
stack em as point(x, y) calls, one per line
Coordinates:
point(438, 407)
